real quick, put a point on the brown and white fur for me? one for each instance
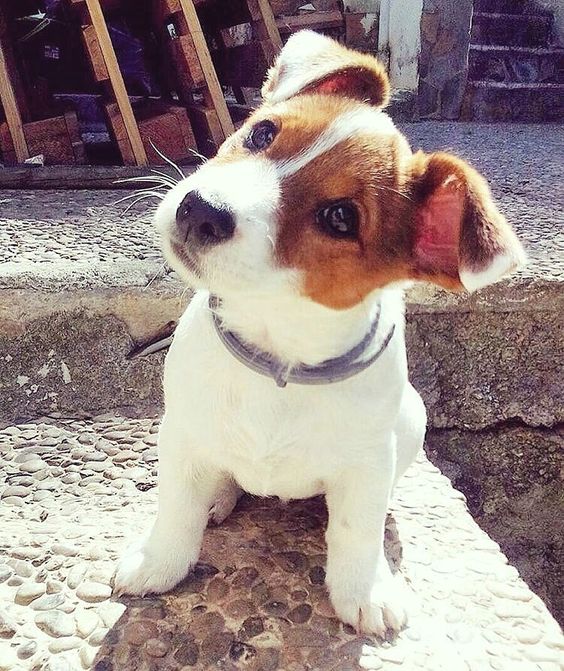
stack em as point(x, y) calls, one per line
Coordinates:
point(292, 288)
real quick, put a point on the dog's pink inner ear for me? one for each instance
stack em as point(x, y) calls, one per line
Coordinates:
point(355, 83)
point(437, 234)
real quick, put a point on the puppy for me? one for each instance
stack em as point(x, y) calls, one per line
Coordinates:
point(287, 375)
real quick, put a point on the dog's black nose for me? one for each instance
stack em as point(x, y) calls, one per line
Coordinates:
point(198, 219)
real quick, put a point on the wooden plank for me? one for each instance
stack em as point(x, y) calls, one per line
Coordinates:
point(163, 9)
point(188, 71)
point(7, 146)
point(50, 137)
point(11, 110)
point(185, 128)
point(73, 130)
point(95, 55)
point(119, 130)
point(210, 75)
point(267, 27)
point(207, 128)
point(314, 21)
point(117, 82)
point(78, 177)
point(170, 133)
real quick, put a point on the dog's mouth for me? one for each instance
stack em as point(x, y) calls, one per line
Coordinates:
point(189, 262)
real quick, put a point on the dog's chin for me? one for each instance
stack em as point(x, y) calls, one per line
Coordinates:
point(186, 265)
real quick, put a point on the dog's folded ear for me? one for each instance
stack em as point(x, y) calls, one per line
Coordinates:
point(313, 63)
point(459, 239)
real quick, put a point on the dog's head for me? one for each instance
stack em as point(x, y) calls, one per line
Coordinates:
point(318, 194)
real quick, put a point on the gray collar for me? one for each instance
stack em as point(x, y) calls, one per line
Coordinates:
point(333, 370)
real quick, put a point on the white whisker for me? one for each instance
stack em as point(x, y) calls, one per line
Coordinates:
point(137, 193)
point(141, 178)
point(198, 155)
point(144, 197)
point(169, 179)
point(165, 158)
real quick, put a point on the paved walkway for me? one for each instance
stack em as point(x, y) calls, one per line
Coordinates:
point(73, 492)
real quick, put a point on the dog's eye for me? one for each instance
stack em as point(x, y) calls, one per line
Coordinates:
point(340, 220)
point(261, 136)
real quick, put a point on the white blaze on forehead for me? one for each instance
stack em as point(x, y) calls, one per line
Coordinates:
point(237, 183)
point(361, 121)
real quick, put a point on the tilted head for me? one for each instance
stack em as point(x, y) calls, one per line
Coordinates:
point(319, 195)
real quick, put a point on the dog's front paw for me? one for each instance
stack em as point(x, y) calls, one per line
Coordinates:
point(225, 500)
point(144, 570)
point(374, 609)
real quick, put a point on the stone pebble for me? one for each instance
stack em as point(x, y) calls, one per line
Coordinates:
point(75, 575)
point(7, 625)
point(87, 655)
point(93, 592)
point(86, 622)
point(28, 592)
point(48, 602)
point(65, 550)
point(5, 572)
point(98, 636)
point(27, 649)
point(15, 490)
point(33, 466)
point(65, 643)
point(56, 624)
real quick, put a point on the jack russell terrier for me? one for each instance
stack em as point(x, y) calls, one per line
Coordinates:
point(287, 375)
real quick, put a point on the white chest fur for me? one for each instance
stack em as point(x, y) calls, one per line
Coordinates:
point(274, 441)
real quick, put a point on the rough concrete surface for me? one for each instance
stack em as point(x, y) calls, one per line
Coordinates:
point(512, 479)
point(73, 493)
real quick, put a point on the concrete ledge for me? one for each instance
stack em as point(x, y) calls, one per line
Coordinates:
point(511, 476)
point(74, 492)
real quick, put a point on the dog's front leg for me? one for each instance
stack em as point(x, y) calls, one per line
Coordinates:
point(186, 491)
point(362, 588)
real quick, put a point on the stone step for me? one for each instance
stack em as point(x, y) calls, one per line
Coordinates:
point(528, 30)
point(516, 64)
point(257, 599)
point(510, 6)
point(513, 101)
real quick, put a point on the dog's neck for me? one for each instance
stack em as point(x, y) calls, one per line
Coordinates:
point(296, 330)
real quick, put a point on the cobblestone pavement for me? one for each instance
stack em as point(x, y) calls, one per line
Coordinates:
point(73, 492)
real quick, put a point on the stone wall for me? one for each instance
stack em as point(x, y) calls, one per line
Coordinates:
point(443, 65)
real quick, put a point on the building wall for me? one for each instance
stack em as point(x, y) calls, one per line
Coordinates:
point(399, 41)
point(445, 36)
point(557, 8)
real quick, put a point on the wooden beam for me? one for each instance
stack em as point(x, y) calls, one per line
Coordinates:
point(210, 75)
point(78, 176)
point(11, 111)
point(116, 79)
point(313, 21)
point(269, 23)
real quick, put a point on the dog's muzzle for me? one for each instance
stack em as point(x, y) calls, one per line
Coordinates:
point(200, 222)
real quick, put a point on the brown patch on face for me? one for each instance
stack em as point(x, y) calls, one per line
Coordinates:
point(364, 170)
point(338, 272)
